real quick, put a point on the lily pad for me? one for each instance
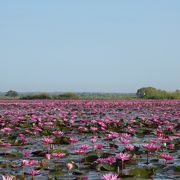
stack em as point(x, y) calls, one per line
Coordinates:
point(142, 172)
point(177, 169)
point(61, 140)
point(90, 158)
point(107, 167)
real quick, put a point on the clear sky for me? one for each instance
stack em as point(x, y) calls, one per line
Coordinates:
point(89, 45)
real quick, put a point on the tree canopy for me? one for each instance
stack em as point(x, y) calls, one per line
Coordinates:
point(11, 93)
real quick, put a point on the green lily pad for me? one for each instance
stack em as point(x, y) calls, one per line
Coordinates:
point(13, 155)
point(105, 167)
point(142, 172)
point(61, 140)
point(90, 158)
point(177, 168)
point(56, 172)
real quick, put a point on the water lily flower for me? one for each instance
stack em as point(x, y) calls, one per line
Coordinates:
point(26, 154)
point(123, 156)
point(98, 146)
point(58, 154)
point(69, 166)
point(47, 140)
point(93, 139)
point(6, 130)
point(110, 176)
point(6, 145)
point(8, 177)
point(73, 140)
point(80, 151)
point(58, 133)
point(129, 147)
point(48, 156)
point(167, 157)
point(29, 162)
point(33, 172)
point(84, 147)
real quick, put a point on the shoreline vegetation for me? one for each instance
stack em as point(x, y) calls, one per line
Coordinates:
point(142, 93)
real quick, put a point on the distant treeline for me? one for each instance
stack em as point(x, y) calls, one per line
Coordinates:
point(153, 93)
point(142, 93)
point(64, 96)
point(76, 96)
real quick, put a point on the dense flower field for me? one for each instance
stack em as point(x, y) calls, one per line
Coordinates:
point(107, 140)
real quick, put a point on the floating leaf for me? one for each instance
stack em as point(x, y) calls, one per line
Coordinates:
point(61, 140)
point(107, 167)
point(177, 168)
point(142, 172)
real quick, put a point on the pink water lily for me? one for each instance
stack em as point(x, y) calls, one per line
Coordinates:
point(6, 130)
point(8, 177)
point(58, 154)
point(149, 149)
point(48, 156)
point(84, 147)
point(110, 176)
point(69, 166)
point(29, 162)
point(123, 157)
point(129, 147)
point(47, 140)
point(167, 157)
point(33, 172)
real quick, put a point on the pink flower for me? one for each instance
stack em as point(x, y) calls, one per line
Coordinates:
point(167, 157)
point(8, 177)
point(110, 176)
point(58, 133)
point(126, 136)
point(164, 139)
point(84, 147)
point(58, 154)
point(6, 130)
point(171, 146)
point(25, 162)
point(69, 166)
point(26, 154)
point(109, 160)
point(123, 156)
point(113, 135)
point(32, 162)
point(33, 172)
point(6, 145)
point(48, 156)
point(151, 147)
point(29, 162)
point(22, 136)
point(47, 140)
point(93, 139)
point(124, 141)
point(93, 129)
point(73, 140)
point(98, 146)
point(129, 147)
point(80, 151)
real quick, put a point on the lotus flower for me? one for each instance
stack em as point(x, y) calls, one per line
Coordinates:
point(110, 176)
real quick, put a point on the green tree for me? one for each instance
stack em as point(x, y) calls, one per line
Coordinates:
point(68, 96)
point(11, 93)
point(147, 92)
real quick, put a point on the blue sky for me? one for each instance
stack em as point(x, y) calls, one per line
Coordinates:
point(89, 45)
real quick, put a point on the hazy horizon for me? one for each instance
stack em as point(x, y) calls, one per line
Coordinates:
point(89, 46)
